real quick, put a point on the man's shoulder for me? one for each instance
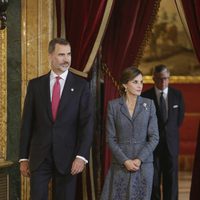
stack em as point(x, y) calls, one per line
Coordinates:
point(39, 78)
point(174, 91)
point(79, 79)
point(148, 92)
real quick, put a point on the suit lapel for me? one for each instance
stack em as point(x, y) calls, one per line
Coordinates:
point(45, 91)
point(138, 108)
point(67, 92)
point(170, 101)
point(124, 109)
point(154, 97)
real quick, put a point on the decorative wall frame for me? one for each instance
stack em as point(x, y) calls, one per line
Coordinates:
point(3, 94)
point(170, 44)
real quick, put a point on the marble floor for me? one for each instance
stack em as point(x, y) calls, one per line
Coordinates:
point(184, 185)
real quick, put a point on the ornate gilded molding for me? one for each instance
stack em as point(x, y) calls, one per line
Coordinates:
point(3, 94)
point(37, 30)
point(37, 25)
point(176, 79)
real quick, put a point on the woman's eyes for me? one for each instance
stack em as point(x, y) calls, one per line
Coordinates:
point(136, 82)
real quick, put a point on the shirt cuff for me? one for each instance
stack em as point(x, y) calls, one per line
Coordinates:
point(82, 158)
point(24, 159)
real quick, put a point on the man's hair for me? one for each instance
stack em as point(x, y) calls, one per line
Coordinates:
point(160, 68)
point(55, 41)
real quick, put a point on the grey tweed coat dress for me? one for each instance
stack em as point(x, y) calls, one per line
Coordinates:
point(129, 138)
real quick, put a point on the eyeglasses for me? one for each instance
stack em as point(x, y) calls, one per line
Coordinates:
point(162, 79)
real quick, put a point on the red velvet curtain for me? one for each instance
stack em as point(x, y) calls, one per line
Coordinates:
point(195, 191)
point(192, 14)
point(128, 26)
point(82, 23)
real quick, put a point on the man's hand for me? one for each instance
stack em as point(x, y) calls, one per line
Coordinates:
point(24, 168)
point(77, 166)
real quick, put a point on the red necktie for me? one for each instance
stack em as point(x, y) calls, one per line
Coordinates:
point(55, 97)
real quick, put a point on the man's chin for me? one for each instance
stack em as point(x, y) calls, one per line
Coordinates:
point(63, 68)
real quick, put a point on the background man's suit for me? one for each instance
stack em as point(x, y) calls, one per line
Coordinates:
point(68, 136)
point(168, 147)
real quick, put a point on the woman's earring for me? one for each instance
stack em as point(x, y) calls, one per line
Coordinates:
point(125, 89)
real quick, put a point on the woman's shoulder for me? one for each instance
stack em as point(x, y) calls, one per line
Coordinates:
point(116, 101)
point(144, 99)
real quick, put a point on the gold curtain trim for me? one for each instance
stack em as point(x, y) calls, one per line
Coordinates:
point(92, 175)
point(99, 36)
point(147, 34)
point(84, 180)
point(181, 13)
point(141, 49)
point(84, 185)
point(77, 72)
point(107, 72)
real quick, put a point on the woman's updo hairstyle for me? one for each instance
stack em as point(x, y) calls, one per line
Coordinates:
point(127, 75)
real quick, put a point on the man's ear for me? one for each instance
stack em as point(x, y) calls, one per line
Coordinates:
point(49, 57)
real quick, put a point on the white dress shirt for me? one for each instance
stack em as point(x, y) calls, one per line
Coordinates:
point(62, 80)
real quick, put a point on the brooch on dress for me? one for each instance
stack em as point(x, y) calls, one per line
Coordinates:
point(145, 106)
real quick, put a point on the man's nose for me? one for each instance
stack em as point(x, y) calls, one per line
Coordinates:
point(66, 58)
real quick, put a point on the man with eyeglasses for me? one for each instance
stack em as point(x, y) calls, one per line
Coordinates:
point(170, 112)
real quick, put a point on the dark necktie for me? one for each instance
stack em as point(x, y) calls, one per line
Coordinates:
point(55, 97)
point(163, 108)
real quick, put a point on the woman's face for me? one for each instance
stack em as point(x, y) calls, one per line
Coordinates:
point(134, 87)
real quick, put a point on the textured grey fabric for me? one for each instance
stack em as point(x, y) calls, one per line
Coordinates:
point(129, 138)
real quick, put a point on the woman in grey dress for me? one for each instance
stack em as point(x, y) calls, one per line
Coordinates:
point(132, 135)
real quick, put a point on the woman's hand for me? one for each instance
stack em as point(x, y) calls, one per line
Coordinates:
point(132, 165)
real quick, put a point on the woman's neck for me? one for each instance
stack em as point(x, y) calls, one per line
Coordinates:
point(131, 99)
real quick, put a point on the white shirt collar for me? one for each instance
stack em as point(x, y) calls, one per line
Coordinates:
point(165, 91)
point(63, 76)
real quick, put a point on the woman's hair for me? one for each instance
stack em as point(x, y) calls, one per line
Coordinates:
point(127, 75)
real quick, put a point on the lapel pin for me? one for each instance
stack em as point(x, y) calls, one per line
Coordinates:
point(72, 89)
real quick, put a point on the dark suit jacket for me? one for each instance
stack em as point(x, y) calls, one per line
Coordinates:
point(69, 135)
point(169, 131)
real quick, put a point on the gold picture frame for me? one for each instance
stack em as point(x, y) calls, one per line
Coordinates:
point(170, 44)
point(176, 79)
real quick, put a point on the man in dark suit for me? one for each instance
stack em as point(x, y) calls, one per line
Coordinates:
point(170, 112)
point(57, 126)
